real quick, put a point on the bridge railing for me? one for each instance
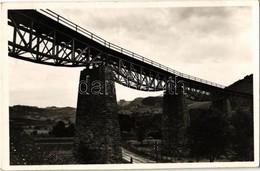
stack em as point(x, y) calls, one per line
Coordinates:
point(110, 45)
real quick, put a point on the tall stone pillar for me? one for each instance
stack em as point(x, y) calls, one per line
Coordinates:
point(223, 105)
point(97, 136)
point(174, 123)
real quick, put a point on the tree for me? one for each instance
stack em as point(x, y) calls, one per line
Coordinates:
point(242, 136)
point(207, 134)
point(121, 102)
point(70, 130)
point(34, 132)
point(59, 130)
point(125, 123)
point(140, 132)
point(152, 101)
point(23, 150)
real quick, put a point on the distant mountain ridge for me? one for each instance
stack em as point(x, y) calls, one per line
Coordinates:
point(154, 104)
point(143, 106)
point(36, 113)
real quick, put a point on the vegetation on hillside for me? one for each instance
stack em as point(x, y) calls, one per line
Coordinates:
point(243, 85)
point(211, 134)
point(208, 134)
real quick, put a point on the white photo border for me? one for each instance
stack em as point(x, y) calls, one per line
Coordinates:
point(5, 156)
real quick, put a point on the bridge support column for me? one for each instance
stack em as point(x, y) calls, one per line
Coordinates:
point(97, 136)
point(223, 105)
point(174, 123)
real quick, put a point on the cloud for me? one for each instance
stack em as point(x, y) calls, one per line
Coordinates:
point(178, 37)
point(175, 30)
point(213, 43)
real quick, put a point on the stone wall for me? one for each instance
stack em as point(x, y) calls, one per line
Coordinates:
point(175, 120)
point(97, 137)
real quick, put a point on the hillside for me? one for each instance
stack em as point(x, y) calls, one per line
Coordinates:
point(48, 113)
point(139, 106)
point(244, 85)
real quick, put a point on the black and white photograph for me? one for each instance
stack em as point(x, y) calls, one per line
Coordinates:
point(130, 85)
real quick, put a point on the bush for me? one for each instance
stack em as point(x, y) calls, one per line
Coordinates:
point(59, 130)
point(242, 136)
point(23, 151)
point(208, 134)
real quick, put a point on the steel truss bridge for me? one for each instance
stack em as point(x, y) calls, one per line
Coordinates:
point(44, 37)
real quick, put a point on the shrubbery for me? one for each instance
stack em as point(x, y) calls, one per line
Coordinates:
point(212, 135)
point(60, 130)
point(23, 151)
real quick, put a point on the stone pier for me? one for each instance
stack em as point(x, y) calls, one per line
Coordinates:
point(223, 105)
point(174, 124)
point(97, 135)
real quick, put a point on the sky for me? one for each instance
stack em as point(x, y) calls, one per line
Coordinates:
point(212, 43)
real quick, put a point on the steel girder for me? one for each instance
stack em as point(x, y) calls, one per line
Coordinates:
point(48, 46)
point(39, 42)
point(135, 76)
point(141, 78)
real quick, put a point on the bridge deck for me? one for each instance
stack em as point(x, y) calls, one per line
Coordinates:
point(77, 32)
point(46, 22)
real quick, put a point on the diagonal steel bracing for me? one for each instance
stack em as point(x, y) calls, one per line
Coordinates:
point(49, 46)
point(47, 38)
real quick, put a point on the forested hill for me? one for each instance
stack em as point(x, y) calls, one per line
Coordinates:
point(244, 85)
point(36, 113)
point(148, 105)
point(153, 105)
